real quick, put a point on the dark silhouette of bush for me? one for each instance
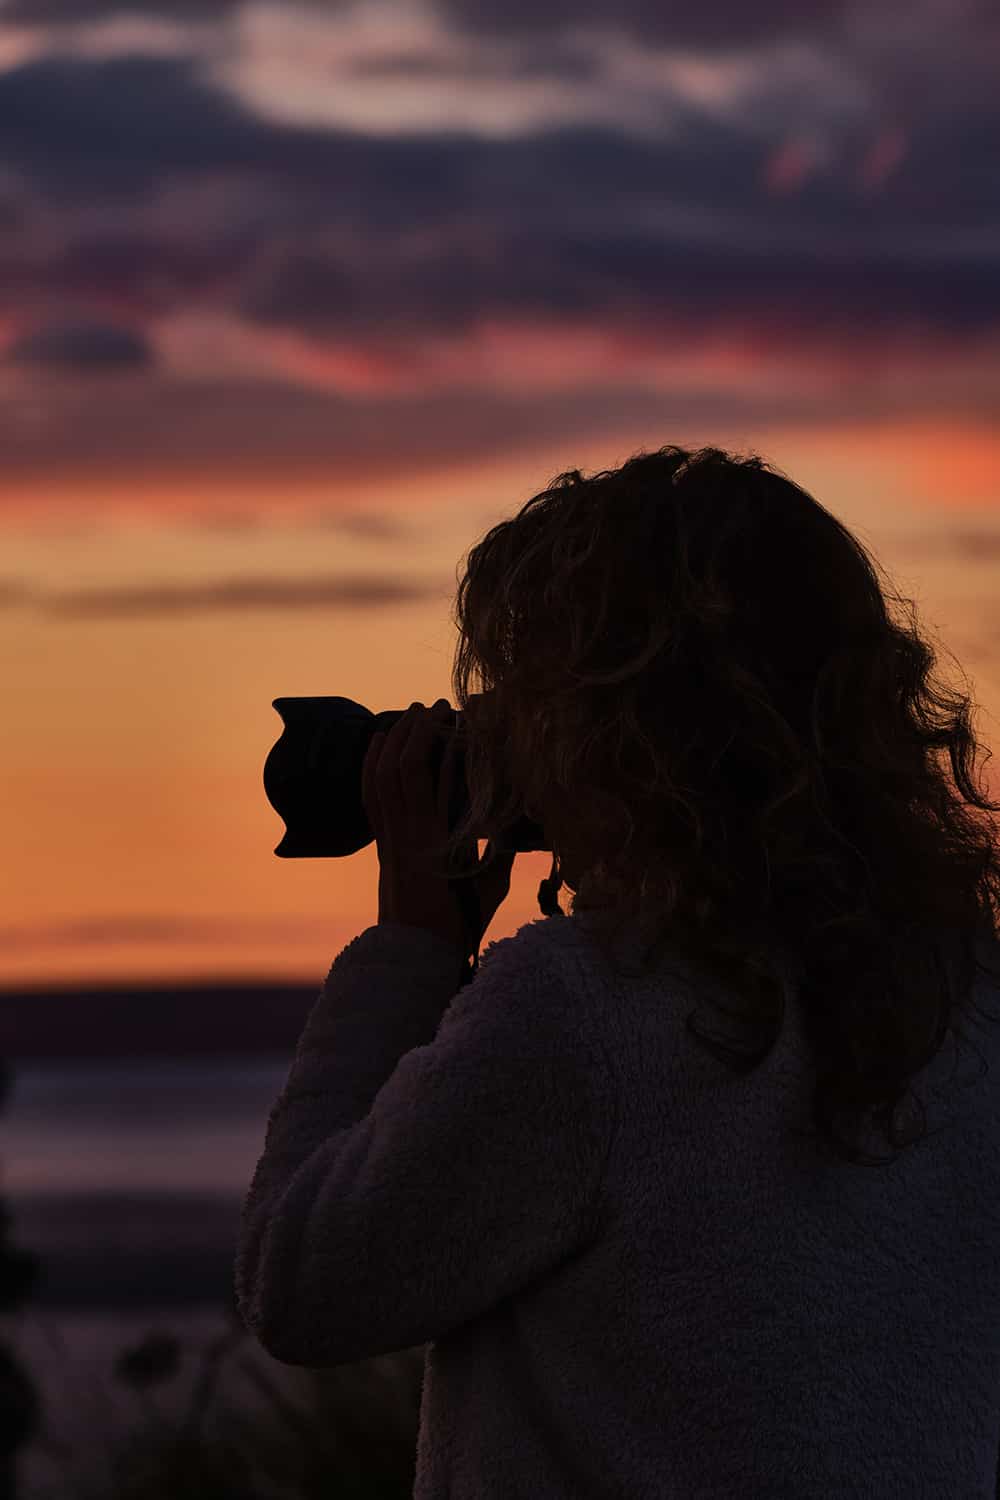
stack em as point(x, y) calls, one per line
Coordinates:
point(21, 1405)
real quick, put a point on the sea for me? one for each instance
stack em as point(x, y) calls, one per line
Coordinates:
point(126, 1179)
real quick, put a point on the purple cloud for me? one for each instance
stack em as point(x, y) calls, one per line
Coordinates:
point(82, 345)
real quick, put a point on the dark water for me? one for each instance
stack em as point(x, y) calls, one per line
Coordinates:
point(127, 1178)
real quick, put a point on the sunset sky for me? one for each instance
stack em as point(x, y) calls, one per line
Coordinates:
point(296, 300)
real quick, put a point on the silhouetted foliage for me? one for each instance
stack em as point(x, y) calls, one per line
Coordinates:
point(20, 1400)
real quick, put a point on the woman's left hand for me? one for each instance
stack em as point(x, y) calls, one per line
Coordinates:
point(409, 813)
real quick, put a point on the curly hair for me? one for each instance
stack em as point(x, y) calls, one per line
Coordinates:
point(687, 666)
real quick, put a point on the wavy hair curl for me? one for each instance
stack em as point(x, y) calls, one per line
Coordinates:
point(687, 668)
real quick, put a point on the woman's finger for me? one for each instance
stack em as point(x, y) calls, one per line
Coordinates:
point(369, 797)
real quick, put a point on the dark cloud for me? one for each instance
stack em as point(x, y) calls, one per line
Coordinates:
point(382, 242)
point(77, 124)
point(624, 277)
point(76, 12)
point(133, 271)
point(84, 346)
point(148, 271)
point(122, 125)
point(722, 26)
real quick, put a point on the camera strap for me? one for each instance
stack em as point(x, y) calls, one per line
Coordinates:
point(468, 902)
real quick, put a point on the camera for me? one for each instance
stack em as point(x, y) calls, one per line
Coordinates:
point(312, 779)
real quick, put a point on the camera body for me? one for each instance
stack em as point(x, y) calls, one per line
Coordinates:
point(312, 779)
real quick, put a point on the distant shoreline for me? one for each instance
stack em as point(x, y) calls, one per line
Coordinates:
point(153, 1021)
point(117, 1249)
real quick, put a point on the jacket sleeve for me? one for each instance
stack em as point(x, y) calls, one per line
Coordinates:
point(430, 1154)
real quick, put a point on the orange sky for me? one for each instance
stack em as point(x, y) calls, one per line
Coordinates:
point(140, 840)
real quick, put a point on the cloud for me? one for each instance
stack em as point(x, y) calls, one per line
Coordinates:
point(86, 346)
point(368, 525)
point(436, 234)
point(619, 275)
point(78, 12)
point(717, 27)
point(275, 433)
point(270, 436)
point(14, 592)
point(236, 594)
point(145, 191)
point(123, 929)
point(979, 545)
point(145, 271)
point(119, 124)
point(76, 125)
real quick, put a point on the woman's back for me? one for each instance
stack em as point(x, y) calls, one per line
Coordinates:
point(751, 1319)
point(772, 1323)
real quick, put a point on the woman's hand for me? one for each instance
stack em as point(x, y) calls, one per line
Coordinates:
point(408, 811)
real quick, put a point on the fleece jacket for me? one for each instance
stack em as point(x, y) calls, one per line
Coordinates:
point(632, 1279)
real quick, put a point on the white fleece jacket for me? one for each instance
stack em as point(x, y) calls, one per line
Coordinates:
point(631, 1282)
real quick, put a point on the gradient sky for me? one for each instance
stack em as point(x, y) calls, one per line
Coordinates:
point(297, 300)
